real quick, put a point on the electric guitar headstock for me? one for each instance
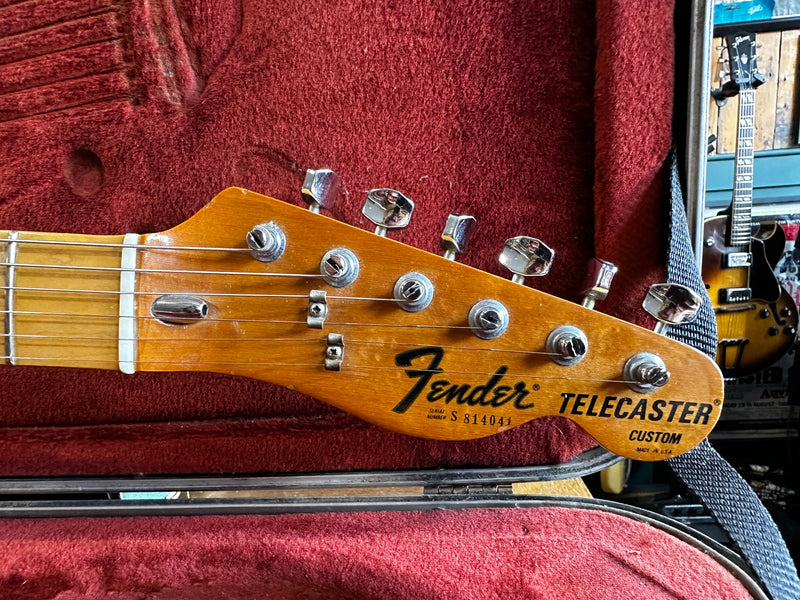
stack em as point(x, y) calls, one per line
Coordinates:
point(411, 341)
point(741, 64)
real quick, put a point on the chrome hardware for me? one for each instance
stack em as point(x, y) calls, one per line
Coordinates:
point(598, 281)
point(317, 309)
point(456, 235)
point(645, 372)
point(488, 319)
point(179, 309)
point(388, 209)
point(266, 242)
point(671, 304)
point(339, 267)
point(320, 189)
point(334, 352)
point(413, 292)
point(567, 345)
point(732, 260)
point(525, 257)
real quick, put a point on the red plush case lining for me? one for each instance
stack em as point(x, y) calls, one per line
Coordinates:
point(456, 555)
point(549, 120)
point(127, 116)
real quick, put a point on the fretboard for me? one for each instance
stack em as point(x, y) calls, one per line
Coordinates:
point(740, 229)
point(66, 312)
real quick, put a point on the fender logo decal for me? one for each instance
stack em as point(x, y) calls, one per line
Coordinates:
point(490, 393)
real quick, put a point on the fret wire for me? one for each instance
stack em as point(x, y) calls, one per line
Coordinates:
point(321, 365)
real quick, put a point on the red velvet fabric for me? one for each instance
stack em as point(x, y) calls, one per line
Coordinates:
point(543, 553)
point(548, 119)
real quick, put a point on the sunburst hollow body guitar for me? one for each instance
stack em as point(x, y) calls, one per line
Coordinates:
point(756, 317)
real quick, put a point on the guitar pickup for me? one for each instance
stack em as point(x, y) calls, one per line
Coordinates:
point(733, 260)
point(732, 295)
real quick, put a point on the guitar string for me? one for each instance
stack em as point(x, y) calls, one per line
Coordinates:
point(134, 246)
point(201, 272)
point(189, 293)
point(236, 320)
point(270, 339)
point(320, 365)
point(170, 271)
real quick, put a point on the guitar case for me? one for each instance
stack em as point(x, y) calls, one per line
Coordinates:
point(546, 119)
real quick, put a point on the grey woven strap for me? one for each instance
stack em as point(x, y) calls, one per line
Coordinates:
point(709, 476)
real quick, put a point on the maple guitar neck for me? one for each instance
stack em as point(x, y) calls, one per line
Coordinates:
point(99, 302)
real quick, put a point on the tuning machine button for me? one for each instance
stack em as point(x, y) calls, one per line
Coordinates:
point(526, 257)
point(456, 235)
point(598, 281)
point(387, 209)
point(671, 304)
point(320, 189)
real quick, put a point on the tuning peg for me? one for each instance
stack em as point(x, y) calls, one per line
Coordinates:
point(456, 235)
point(266, 241)
point(525, 257)
point(598, 281)
point(320, 189)
point(388, 209)
point(671, 304)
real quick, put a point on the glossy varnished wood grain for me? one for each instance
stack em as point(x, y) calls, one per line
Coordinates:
point(61, 322)
point(267, 337)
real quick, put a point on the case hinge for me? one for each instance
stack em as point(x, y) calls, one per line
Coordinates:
point(481, 489)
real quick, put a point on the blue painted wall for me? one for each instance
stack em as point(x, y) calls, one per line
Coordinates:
point(776, 177)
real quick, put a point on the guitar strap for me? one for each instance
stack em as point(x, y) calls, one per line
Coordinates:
point(709, 476)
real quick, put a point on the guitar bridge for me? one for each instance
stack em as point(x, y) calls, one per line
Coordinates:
point(732, 295)
point(733, 260)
